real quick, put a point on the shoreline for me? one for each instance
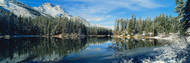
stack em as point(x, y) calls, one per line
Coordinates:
point(169, 37)
point(54, 36)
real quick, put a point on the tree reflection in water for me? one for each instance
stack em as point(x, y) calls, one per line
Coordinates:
point(135, 49)
point(56, 50)
point(43, 49)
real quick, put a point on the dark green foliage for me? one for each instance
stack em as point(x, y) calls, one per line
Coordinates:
point(40, 47)
point(186, 15)
point(160, 24)
point(183, 9)
point(11, 24)
point(98, 31)
point(131, 27)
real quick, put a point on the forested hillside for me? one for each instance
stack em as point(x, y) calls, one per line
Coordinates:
point(11, 23)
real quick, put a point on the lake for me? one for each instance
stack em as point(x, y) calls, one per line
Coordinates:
point(90, 50)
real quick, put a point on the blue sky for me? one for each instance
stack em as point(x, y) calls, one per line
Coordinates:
point(105, 12)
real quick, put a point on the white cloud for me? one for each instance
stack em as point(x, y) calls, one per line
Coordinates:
point(131, 4)
point(110, 27)
point(94, 10)
point(147, 3)
point(98, 19)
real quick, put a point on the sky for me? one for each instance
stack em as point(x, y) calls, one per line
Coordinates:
point(105, 12)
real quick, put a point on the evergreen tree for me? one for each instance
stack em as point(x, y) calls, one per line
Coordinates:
point(182, 9)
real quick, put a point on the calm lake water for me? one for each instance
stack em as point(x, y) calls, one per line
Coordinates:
point(81, 50)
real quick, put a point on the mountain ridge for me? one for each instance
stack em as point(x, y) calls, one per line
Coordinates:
point(18, 8)
point(46, 9)
point(52, 10)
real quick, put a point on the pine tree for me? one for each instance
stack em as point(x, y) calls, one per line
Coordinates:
point(182, 9)
point(186, 15)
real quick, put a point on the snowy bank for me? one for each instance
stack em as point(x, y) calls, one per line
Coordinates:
point(176, 52)
point(170, 37)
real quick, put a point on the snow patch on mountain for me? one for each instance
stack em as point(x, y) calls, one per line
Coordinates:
point(53, 10)
point(4, 2)
point(17, 10)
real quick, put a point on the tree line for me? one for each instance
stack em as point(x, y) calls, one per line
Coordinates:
point(163, 24)
point(11, 24)
point(98, 31)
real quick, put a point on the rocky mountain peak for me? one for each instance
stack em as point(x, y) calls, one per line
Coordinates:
point(52, 10)
point(48, 5)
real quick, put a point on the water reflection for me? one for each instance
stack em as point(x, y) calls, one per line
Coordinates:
point(126, 44)
point(98, 49)
point(42, 49)
point(136, 49)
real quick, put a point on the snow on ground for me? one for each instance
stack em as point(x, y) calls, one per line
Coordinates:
point(170, 54)
point(170, 37)
point(188, 39)
point(176, 52)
